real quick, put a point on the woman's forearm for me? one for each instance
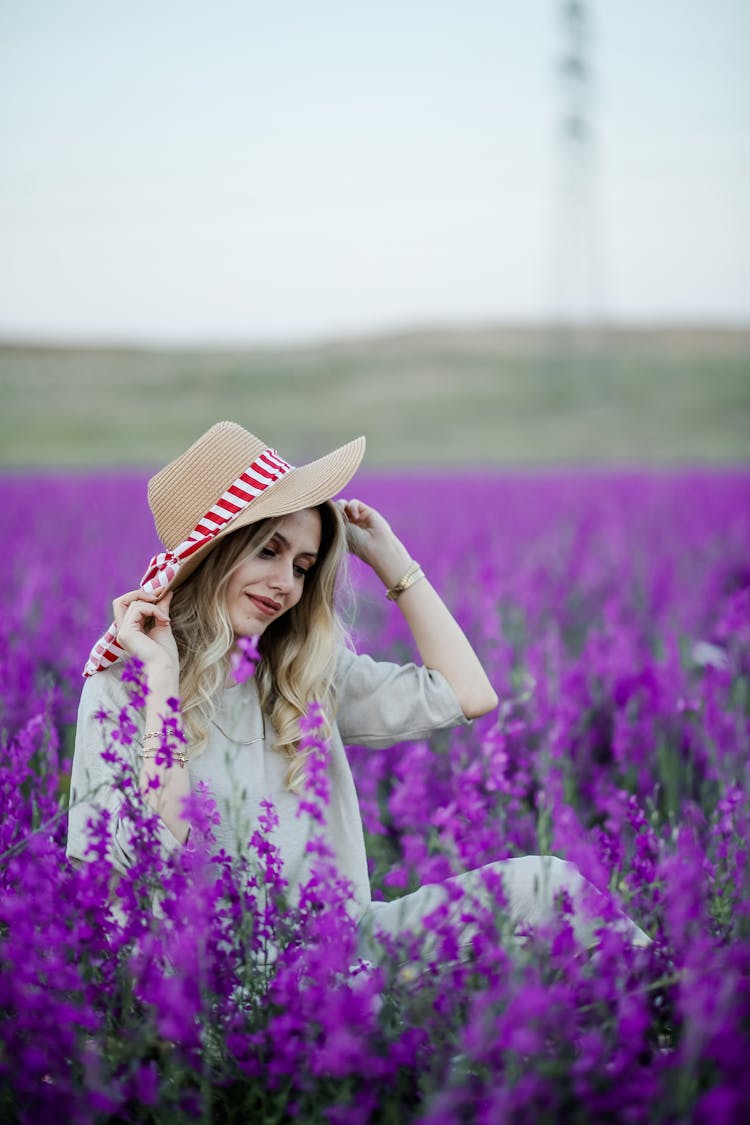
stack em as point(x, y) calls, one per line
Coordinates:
point(439, 638)
point(174, 781)
point(144, 631)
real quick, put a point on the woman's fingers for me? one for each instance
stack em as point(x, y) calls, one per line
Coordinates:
point(144, 629)
point(355, 511)
point(125, 600)
point(146, 614)
point(140, 605)
point(357, 522)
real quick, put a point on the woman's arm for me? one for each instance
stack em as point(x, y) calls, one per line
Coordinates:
point(441, 642)
point(144, 630)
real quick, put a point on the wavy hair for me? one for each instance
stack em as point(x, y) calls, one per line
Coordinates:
point(298, 651)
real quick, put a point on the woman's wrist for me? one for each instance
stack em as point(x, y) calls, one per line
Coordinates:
point(411, 575)
point(163, 681)
point(391, 562)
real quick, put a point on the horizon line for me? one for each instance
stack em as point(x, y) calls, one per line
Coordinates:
point(54, 341)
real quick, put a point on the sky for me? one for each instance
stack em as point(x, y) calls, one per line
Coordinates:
point(196, 173)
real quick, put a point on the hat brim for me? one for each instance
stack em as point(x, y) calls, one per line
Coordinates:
point(305, 486)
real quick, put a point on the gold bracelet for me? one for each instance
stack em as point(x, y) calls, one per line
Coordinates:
point(413, 574)
point(178, 756)
point(159, 735)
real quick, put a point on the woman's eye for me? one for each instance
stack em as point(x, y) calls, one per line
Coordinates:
point(266, 553)
point(300, 571)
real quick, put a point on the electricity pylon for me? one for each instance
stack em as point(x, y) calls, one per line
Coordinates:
point(577, 296)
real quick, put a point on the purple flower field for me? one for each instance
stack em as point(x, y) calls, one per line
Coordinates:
point(613, 614)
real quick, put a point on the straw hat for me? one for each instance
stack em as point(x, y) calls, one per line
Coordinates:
point(226, 480)
point(184, 491)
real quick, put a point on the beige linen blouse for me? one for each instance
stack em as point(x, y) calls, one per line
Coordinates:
point(378, 704)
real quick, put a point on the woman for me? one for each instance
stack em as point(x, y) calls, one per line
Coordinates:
point(253, 549)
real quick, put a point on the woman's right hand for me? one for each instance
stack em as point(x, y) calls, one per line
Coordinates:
point(144, 630)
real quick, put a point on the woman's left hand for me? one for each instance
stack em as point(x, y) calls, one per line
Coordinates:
point(371, 538)
point(440, 640)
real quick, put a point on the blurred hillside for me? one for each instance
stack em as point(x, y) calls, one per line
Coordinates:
point(494, 395)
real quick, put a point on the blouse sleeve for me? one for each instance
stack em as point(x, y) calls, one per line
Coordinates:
point(380, 703)
point(92, 778)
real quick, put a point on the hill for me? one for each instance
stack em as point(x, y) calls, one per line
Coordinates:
point(493, 395)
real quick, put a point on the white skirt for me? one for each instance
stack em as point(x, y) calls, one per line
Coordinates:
point(531, 886)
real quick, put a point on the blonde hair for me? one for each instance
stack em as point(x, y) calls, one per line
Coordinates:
point(298, 651)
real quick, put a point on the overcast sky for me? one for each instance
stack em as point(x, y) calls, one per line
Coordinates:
point(194, 172)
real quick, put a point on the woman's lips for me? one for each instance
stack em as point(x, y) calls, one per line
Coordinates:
point(265, 605)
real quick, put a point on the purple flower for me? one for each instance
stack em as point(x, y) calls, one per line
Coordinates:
point(244, 659)
point(611, 612)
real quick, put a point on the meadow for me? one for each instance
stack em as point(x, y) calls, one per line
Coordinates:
point(474, 396)
point(612, 610)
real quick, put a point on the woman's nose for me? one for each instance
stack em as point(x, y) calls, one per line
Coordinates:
point(283, 575)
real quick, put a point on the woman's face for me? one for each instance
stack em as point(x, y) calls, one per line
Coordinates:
point(268, 584)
